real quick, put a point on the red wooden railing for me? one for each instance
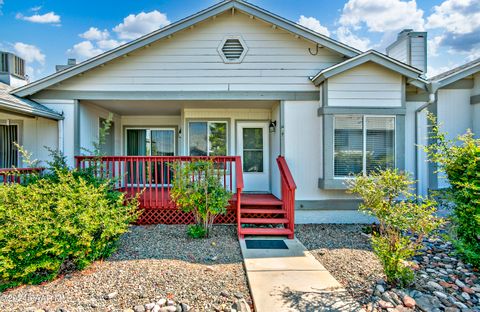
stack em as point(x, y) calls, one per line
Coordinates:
point(17, 175)
point(151, 176)
point(288, 191)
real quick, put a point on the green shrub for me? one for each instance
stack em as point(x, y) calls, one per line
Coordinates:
point(196, 231)
point(203, 195)
point(57, 222)
point(459, 159)
point(404, 219)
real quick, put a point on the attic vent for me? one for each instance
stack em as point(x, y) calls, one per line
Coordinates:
point(232, 49)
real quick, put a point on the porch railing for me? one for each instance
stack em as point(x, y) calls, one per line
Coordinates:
point(152, 176)
point(17, 175)
point(288, 191)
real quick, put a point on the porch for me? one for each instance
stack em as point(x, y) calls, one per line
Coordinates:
point(151, 177)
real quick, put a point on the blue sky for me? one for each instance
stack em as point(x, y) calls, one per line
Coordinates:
point(47, 32)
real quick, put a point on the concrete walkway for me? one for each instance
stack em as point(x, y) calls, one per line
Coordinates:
point(292, 280)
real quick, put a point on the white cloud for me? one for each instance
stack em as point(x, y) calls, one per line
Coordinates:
point(436, 70)
point(459, 24)
point(456, 16)
point(47, 18)
point(135, 26)
point(345, 35)
point(93, 33)
point(29, 53)
point(434, 44)
point(36, 8)
point(313, 24)
point(382, 15)
point(109, 44)
point(84, 49)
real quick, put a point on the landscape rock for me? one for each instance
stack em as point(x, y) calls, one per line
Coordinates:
point(409, 302)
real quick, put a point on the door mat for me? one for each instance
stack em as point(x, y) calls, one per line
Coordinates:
point(265, 244)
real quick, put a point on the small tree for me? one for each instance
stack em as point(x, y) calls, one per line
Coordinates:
point(197, 188)
point(404, 219)
point(459, 159)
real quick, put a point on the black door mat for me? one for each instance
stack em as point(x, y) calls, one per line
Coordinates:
point(265, 244)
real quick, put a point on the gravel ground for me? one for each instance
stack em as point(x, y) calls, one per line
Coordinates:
point(346, 253)
point(152, 263)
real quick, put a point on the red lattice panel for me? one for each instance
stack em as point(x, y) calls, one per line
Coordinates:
point(175, 216)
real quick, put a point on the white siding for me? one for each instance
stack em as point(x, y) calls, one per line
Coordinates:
point(90, 126)
point(367, 85)
point(189, 61)
point(399, 51)
point(35, 134)
point(476, 107)
point(65, 107)
point(454, 113)
point(275, 151)
point(417, 48)
point(304, 150)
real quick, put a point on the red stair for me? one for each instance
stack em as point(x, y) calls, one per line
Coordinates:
point(265, 214)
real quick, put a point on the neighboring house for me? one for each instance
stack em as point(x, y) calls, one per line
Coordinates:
point(22, 121)
point(235, 79)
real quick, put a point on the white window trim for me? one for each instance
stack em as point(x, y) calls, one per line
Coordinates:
point(150, 129)
point(364, 147)
point(208, 122)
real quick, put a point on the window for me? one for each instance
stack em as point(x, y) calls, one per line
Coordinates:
point(363, 144)
point(151, 142)
point(8, 151)
point(4, 62)
point(19, 66)
point(207, 138)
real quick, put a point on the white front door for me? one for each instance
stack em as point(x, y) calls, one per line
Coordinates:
point(252, 146)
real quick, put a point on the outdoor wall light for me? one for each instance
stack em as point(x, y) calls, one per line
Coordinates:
point(273, 125)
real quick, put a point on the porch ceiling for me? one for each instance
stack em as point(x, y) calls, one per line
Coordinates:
point(172, 108)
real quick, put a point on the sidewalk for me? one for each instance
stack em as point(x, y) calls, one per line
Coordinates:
point(292, 280)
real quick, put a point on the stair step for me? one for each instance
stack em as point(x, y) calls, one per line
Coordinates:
point(264, 220)
point(265, 211)
point(265, 231)
point(260, 200)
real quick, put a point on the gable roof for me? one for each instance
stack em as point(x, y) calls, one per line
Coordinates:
point(12, 103)
point(376, 57)
point(455, 74)
point(166, 31)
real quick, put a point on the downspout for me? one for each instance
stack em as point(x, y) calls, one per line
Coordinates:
point(431, 99)
point(60, 135)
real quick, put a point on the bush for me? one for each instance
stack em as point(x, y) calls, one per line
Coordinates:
point(203, 195)
point(56, 223)
point(404, 219)
point(459, 159)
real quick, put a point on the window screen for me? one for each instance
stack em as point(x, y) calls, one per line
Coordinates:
point(363, 144)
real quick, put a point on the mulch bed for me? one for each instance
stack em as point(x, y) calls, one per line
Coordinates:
point(152, 263)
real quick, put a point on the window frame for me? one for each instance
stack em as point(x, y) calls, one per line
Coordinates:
point(364, 141)
point(208, 122)
point(148, 140)
point(19, 125)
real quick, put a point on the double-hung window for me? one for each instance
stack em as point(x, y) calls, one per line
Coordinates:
point(207, 138)
point(363, 144)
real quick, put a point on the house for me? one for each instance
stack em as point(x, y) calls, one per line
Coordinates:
point(239, 82)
